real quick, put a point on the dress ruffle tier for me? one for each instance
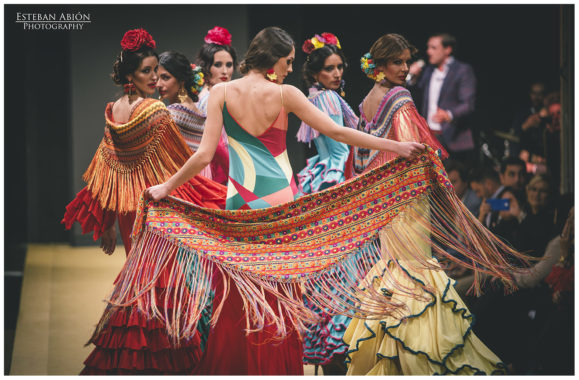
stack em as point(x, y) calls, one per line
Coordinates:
point(433, 337)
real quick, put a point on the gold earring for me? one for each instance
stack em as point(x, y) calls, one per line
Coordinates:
point(182, 95)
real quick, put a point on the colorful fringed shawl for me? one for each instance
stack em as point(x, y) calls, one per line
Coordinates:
point(134, 155)
point(312, 241)
point(190, 123)
point(396, 119)
point(331, 104)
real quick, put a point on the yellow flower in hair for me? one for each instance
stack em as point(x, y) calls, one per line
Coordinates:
point(338, 43)
point(380, 76)
point(317, 44)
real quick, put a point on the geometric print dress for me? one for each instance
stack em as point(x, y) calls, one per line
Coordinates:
point(260, 176)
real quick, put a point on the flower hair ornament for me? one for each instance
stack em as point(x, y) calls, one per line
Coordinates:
point(369, 68)
point(198, 79)
point(218, 36)
point(318, 41)
point(135, 39)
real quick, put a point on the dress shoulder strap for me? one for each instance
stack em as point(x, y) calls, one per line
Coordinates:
point(281, 93)
point(224, 92)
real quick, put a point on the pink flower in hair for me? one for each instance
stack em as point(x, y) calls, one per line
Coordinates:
point(218, 36)
point(330, 38)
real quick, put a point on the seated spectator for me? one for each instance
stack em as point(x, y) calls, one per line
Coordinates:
point(513, 173)
point(457, 173)
point(551, 344)
point(556, 252)
point(507, 223)
point(486, 184)
point(538, 222)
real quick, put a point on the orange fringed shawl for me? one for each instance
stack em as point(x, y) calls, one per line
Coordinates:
point(143, 152)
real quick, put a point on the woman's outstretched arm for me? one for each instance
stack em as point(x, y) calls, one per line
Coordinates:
point(297, 103)
point(203, 156)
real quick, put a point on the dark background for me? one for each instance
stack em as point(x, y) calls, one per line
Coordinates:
point(57, 83)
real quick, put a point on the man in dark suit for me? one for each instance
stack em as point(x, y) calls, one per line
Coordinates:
point(445, 94)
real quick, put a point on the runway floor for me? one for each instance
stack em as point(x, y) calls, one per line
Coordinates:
point(62, 297)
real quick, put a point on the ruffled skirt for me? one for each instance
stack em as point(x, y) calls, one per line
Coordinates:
point(433, 336)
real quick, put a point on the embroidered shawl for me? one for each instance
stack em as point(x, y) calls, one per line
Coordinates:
point(134, 156)
point(396, 119)
point(330, 239)
point(331, 104)
point(190, 123)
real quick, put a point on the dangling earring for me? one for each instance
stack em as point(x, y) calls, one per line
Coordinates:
point(341, 88)
point(271, 76)
point(182, 95)
point(129, 88)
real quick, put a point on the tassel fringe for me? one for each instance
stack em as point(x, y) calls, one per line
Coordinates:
point(117, 179)
point(415, 239)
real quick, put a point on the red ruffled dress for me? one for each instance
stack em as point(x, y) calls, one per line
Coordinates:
point(143, 152)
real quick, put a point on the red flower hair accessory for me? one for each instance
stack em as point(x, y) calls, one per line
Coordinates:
point(218, 36)
point(330, 39)
point(135, 39)
point(318, 41)
point(308, 47)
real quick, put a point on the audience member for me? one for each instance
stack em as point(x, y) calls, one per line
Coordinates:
point(457, 173)
point(486, 185)
point(555, 344)
point(513, 173)
point(508, 221)
point(445, 94)
point(528, 117)
point(538, 222)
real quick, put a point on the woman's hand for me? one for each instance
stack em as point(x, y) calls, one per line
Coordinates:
point(157, 192)
point(109, 240)
point(409, 149)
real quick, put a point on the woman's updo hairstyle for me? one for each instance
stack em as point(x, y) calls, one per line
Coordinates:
point(388, 47)
point(266, 48)
point(179, 66)
point(217, 39)
point(137, 44)
point(315, 62)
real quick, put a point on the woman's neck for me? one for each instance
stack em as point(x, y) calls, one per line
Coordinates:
point(381, 88)
point(136, 96)
point(255, 74)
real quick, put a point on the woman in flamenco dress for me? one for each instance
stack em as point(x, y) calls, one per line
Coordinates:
point(323, 72)
point(141, 147)
point(218, 60)
point(434, 335)
point(254, 111)
point(180, 83)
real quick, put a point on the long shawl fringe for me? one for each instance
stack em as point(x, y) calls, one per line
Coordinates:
point(341, 238)
point(134, 156)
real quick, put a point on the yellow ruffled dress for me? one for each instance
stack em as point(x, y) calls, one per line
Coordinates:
point(433, 334)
